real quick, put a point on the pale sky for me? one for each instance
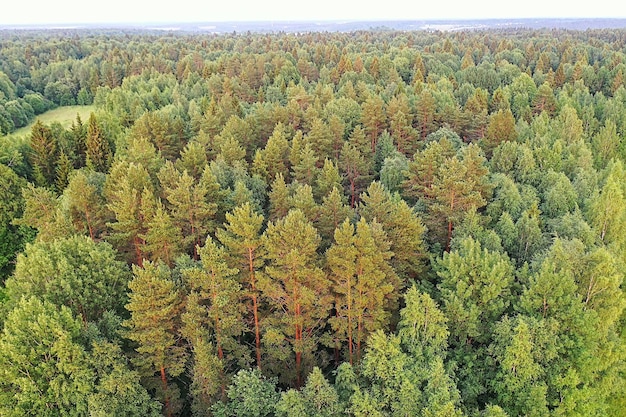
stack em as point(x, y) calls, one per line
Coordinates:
point(18, 12)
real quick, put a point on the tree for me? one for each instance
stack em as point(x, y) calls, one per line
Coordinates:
point(117, 390)
point(316, 399)
point(250, 395)
point(86, 204)
point(241, 236)
point(155, 305)
point(98, 151)
point(194, 204)
point(44, 370)
point(332, 212)
point(356, 170)
point(475, 292)
point(363, 279)
point(297, 290)
point(129, 191)
point(162, 238)
point(213, 310)
point(501, 128)
point(44, 154)
point(12, 236)
point(75, 272)
point(403, 227)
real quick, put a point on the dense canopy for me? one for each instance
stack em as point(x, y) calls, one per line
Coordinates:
point(371, 223)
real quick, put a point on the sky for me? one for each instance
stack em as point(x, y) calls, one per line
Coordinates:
point(19, 12)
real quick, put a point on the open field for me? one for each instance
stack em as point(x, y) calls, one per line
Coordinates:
point(64, 115)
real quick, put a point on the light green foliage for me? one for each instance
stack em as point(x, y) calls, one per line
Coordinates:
point(75, 272)
point(518, 382)
point(43, 368)
point(117, 391)
point(475, 288)
point(241, 238)
point(332, 212)
point(316, 399)
point(249, 395)
point(86, 205)
point(213, 301)
point(423, 326)
point(193, 204)
point(128, 189)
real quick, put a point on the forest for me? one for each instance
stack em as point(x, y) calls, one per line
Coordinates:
point(370, 224)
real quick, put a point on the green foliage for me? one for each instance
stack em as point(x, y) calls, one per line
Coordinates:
point(75, 272)
point(482, 271)
point(250, 395)
point(44, 369)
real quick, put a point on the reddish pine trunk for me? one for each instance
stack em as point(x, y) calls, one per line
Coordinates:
point(298, 338)
point(350, 347)
point(138, 242)
point(449, 238)
point(255, 309)
point(168, 411)
point(89, 226)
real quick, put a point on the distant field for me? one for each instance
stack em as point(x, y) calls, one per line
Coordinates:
point(64, 115)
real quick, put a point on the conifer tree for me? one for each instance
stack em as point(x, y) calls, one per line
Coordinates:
point(162, 238)
point(194, 204)
point(279, 199)
point(87, 206)
point(298, 292)
point(241, 238)
point(362, 280)
point(332, 212)
point(155, 305)
point(213, 305)
point(63, 172)
point(128, 190)
point(97, 149)
point(374, 119)
point(44, 154)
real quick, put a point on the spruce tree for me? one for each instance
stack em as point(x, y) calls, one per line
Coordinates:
point(98, 151)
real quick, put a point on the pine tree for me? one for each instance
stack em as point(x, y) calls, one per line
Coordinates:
point(332, 212)
point(194, 204)
point(279, 199)
point(362, 280)
point(162, 238)
point(356, 170)
point(241, 237)
point(128, 189)
point(298, 293)
point(374, 119)
point(155, 305)
point(213, 305)
point(404, 229)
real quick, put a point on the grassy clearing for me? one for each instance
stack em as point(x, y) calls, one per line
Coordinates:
point(64, 115)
